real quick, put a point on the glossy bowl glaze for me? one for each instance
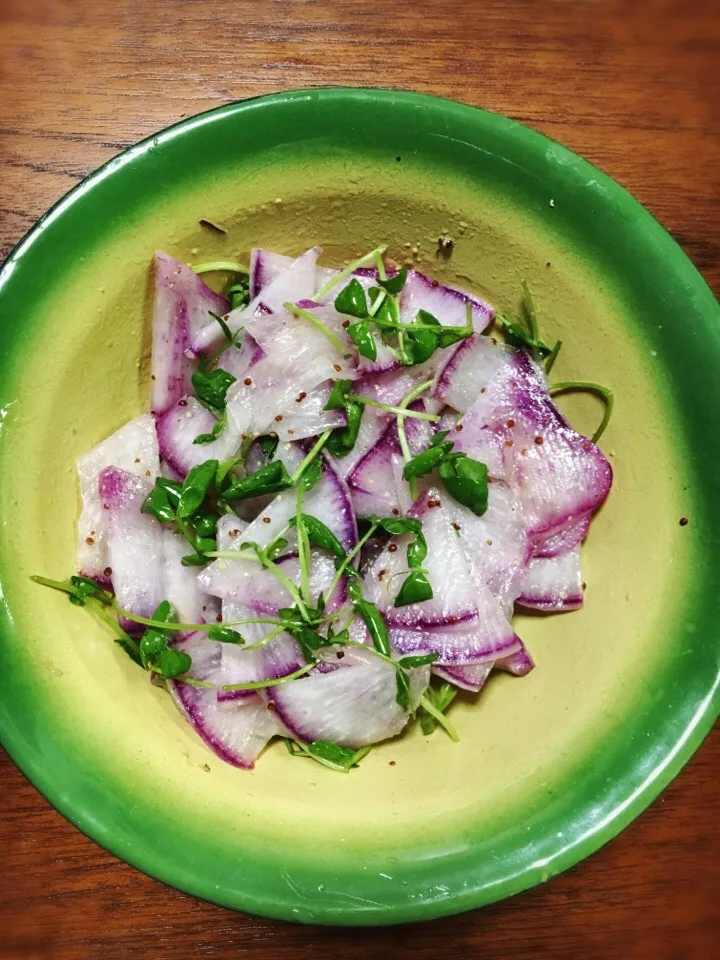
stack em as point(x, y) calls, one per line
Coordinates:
point(549, 767)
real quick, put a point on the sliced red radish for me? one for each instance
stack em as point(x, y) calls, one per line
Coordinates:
point(183, 304)
point(448, 419)
point(519, 664)
point(239, 361)
point(553, 583)
point(454, 593)
point(230, 532)
point(306, 415)
point(134, 542)
point(133, 448)
point(294, 283)
point(237, 731)
point(466, 676)
point(295, 342)
point(562, 539)
point(180, 583)
point(178, 428)
point(353, 707)
point(372, 481)
point(467, 368)
point(496, 544)
point(402, 486)
point(275, 659)
point(265, 266)
point(559, 473)
point(244, 581)
point(462, 622)
point(446, 304)
point(479, 640)
point(388, 388)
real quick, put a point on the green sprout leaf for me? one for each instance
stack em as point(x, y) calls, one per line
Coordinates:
point(438, 700)
point(416, 552)
point(361, 334)
point(352, 301)
point(518, 336)
point(211, 388)
point(466, 481)
point(218, 428)
point(269, 444)
point(157, 504)
point(195, 488)
point(343, 439)
point(373, 620)
point(417, 660)
point(426, 461)
point(337, 399)
point(395, 284)
point(272, 478)
point(415, 589)
point(320, 535)
point(155, 653)
point(403, 694)
point(225, 635)
point(397, 525)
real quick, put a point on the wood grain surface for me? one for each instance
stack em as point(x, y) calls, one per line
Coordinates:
point(632, 86)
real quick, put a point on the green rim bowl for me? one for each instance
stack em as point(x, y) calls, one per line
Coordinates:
point(550, 766)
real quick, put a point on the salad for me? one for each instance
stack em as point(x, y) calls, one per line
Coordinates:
point(345, 484)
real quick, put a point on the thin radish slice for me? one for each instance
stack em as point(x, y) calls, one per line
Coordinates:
point(293, 284)
point(454, 594)
point(236, 731)
point(372, 481)
point(297, 364)
point(553, 583)
point(466, 676)
point(180, 583)
point(134, 541)
point(559, 473)
point(133, 448)
point(447, 304)
point(291, 454)
point(306, 415)
point(563, 539)
point(183, 304)
point(366, 276)
point(230, 532)
point(273, 660)
point(467, 368)
point(266, 266)
point(519, 664)
point(463, 622)
point(328, 501)
point(353, 707)
point(295, 343)
point(496, 544)
point(480, 640)
point(178, 428)
point(240, 361)
point(245, 582)
point(383, 388)
point(448, 419)
point(402, 486)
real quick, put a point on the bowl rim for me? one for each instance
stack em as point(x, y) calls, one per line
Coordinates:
point(638, 800)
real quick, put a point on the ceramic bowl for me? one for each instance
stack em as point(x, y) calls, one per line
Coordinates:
point(549, 767)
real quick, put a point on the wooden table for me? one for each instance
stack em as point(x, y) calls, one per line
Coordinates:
point(635, 88)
